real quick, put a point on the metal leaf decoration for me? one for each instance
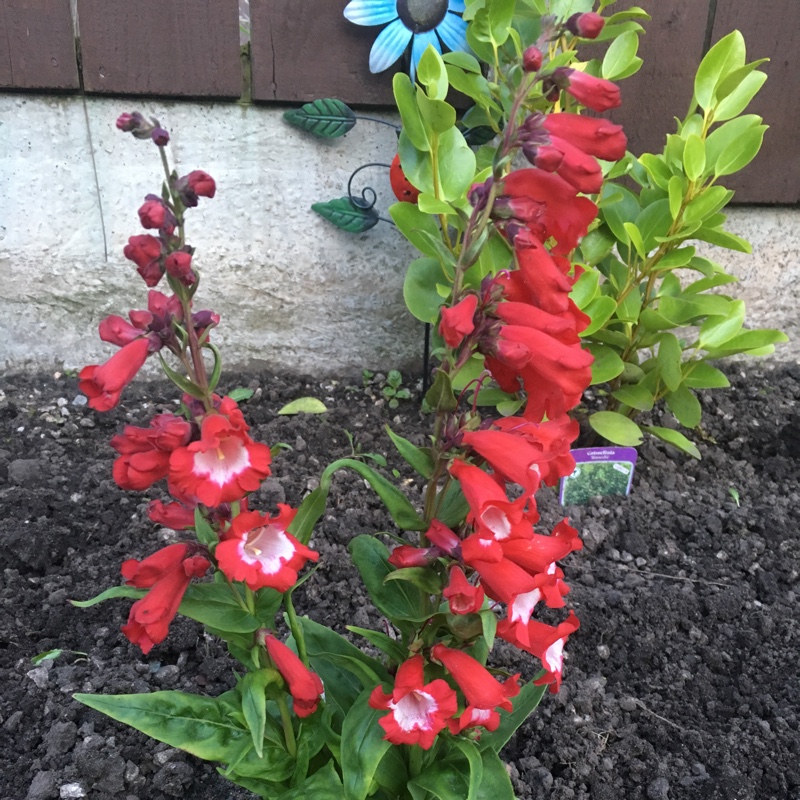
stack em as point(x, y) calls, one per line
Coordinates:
point(328, 118)
point(344, 214)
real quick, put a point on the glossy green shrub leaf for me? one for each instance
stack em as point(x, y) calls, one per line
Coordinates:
point(429, 204)
point(684, 406)
point(689, 307)
point(694, 157)
point(630, 307)
point(620, 56)
point(438, 115)
point(412, 223)
point(585, 288)
point(708, 202)
point(595, 246)
point(634, 236)
point(328, 118)
point(364, 747)
point(723, 136)
point(653, 223)
point(432, 75)
point(723, 58)
point(607, 364)
point(303, 405)
point(624, 209)
point(199, 725)
point(413, 127)
point(399, 600)
point(738, 154)
point(675, 438)
point(600, 311)
point(657, 169)
point(712, 282)
point(456, 164)
point(616, 428)
point(721, 238)
point(419, 289)
point(669, 357)
point(715, 331)
point(342, 213)
point(676, 192)
point(636, 396)
point(679, 257)
point(749, 341)
point(699, 375)
point(739, 98)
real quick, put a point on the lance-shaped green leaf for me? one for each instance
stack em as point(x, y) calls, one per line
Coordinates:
point(495, 784)
point(669, 360)
point(418, 458)
point(413, 126)
point(344, 214)
point(524, 705)
point(324, 784)
point(110, 594)
point(444, 780)
point(727, 55)
point(205, 533)
point(213, 604)
point(254, 704)
point(199, 725)
point(365, 749)
point(328, 118)
point(400, 600)
point(424, 578)
point(675, 438)
point(392, 648)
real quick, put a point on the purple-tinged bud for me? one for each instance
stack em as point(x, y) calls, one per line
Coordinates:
point(532, 59)
point(587, 26)
point(478, 194)
point(205, 319)
point(130, 122)
point(160, 137)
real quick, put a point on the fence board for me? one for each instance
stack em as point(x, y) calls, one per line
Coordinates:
point(187, 48)
point(773, 31)
point(662, 89)
point(37, 45)
point(305, 49)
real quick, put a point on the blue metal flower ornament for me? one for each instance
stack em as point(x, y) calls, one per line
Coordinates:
point(420, 22)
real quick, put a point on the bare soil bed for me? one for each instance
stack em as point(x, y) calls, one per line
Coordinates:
point(682, 683)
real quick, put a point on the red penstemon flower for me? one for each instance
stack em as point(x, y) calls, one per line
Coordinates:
point(258, 550)
point(418, 711)
point(461, 595)
point(224, 465)
point(167, 573)
point(304, 685)
point(103, 384)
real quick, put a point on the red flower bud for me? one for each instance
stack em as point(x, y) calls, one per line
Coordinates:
point(587, 26)
point(179, 266)
point(152, 214)
point(532, 59)
point(160, 137)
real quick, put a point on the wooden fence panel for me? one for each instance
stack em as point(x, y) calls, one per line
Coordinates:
point(184, 48)
point(37, 45)
point(305, 49)
point(662, 89)
point(771, 30)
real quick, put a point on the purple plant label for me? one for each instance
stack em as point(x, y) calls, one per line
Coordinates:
point(599, 472)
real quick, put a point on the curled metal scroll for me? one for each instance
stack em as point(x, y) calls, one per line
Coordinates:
point(368, 196)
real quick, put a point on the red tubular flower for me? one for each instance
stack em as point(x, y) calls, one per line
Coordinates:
point(304, 685)
point(549, 206)
point(546, 643)
point(462, 596)
point(418, 711)
point(597, 137)
point(595, 93)
point(541, 279)
point(167, 573)
point(103, 384)
point(508, 455)
point(118, 331)
point(407, 556)
point(441, 536)
point(153, 214)
point(493, 514)
point(224, 465)
point(503, 580)
point(457, 321)
point(201, 183)
point(480, 687)
point(145, 452)
point(171, 515)
point(576, 167)
point(536, 553)
point(179, 266)
point(259, 551)
point(145, 252)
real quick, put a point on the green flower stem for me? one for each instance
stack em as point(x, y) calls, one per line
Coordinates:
point(288, 730)
point(237, 596)
point(415, 757)
point(296, 628)
point(250, 597)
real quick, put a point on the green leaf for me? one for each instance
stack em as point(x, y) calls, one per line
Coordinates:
point(636, 396)
point(110, 594)
point(444, 780)
point(720, 138)
point(419, 289)
point(501, 14)
point(456, 165)
point(616, 428)
point(708, 202)
point(440, 396)
point(653, 222)
point(432, 75)
point(183, 383)
point(715, 331)
point(585, 288)
point(365, 748)
point(334, 659)
point(470, 751)
point(392, 648)
point(241, 393)
point(419, 459)
point(739, 153)
point(693, 307)
point(399, 601)
point(524, 704)
point(308, 514)
point(304, 405)
point(342, 213)
point(424, 578)
point(694, 157)
point(595, 246)
point(430, 204)
point(328, 118)
point(739, 98)
point(679, 257)
point(463, 60)
point(630, 307)
point(495, 785)
point(452, 506)
point(625, 209)
point(213, 604)
point(699, 375)
point(730, 241)
point(670, 355)
point(254, 704)
point(439, 115)
point(324, 784)
point(199, 725)
point(634, 236)
point(205, 533)
point(607, 363)
point(397, 504)
point(675, 438)
point(599, 311)
point(413, 126)
point(676, 193)
point(725, 56)
point(412, 223)
point(748, 341)
point(684, 406)
point(620, 56)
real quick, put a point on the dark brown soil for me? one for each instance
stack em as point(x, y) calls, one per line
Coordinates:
point(682, 683)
